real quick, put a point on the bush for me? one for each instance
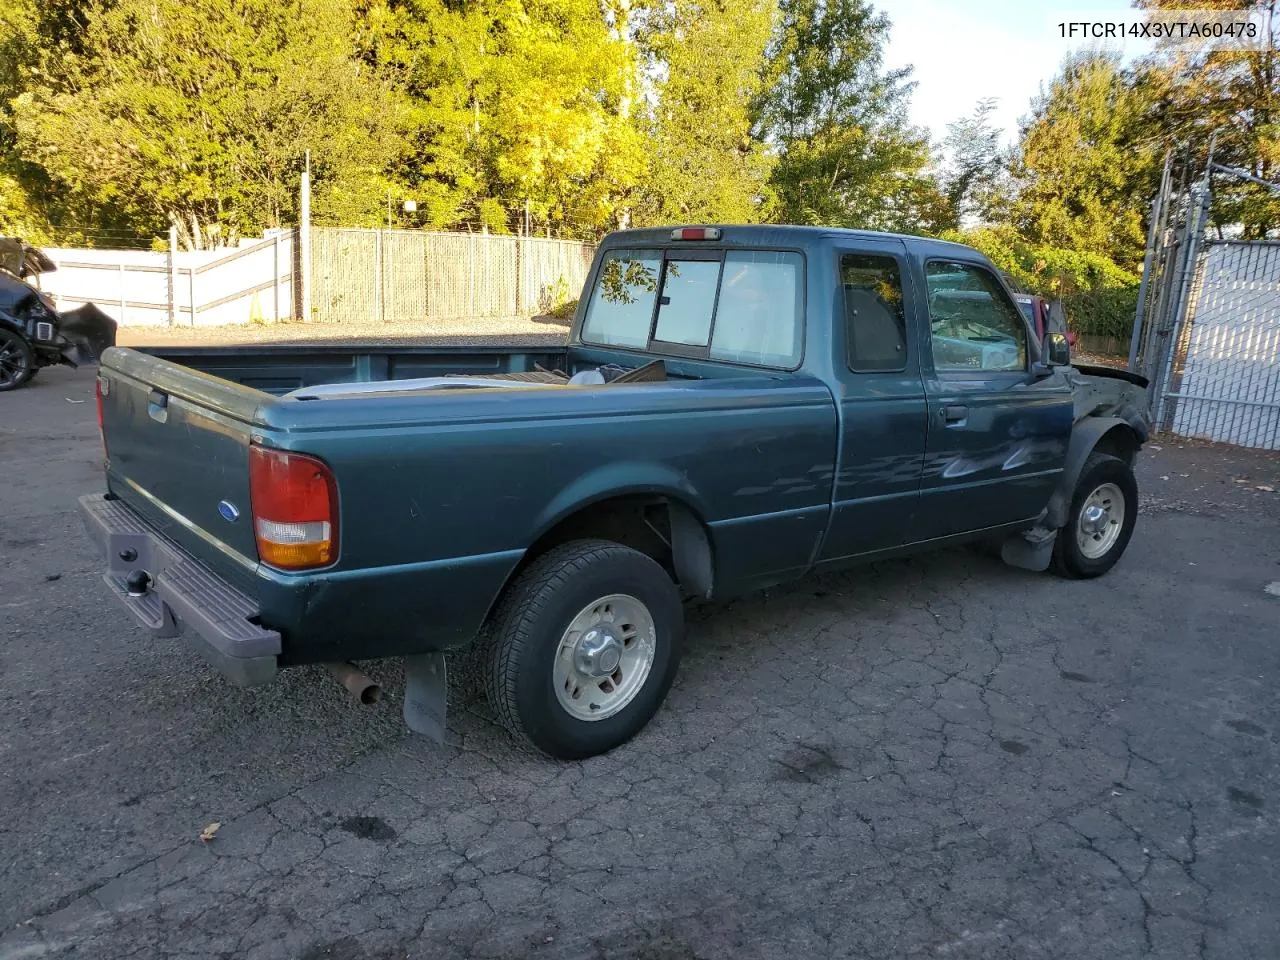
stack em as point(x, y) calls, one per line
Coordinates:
point(1100, 298)
point(1107, 312)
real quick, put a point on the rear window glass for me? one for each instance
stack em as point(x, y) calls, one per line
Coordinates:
point(746, 309)
point(688, 298)
point(621, 306)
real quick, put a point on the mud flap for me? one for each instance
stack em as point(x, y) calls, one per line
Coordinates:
point(426, 691)
point(1032, 550)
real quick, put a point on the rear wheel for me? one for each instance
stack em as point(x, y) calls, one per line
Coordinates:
point(17, 362)
point(584, 646)
point(1104, 510)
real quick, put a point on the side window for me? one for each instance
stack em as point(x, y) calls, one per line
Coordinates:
point(758, 318)
point(974, 324)
point(874, 317)
point(688, 297)
point(621, 305)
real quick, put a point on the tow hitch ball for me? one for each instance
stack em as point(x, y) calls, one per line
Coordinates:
point(138, 583)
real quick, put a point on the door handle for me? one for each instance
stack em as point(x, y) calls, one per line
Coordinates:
point(954, 413)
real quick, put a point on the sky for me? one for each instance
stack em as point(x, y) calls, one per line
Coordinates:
point(965, 50)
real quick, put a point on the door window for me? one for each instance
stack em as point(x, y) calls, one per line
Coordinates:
point(875, 321)
point(974, 324)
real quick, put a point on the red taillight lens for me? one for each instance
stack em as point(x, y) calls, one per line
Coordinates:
point(97, 392)
point(295, 509)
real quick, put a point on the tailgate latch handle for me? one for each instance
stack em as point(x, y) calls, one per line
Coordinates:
point(158, 406)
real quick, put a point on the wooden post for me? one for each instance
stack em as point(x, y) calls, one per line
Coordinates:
point(275, 277)
point(122, 295)
point(302, 278)
point(173, 274)
point(191, 291)
point(377, 276)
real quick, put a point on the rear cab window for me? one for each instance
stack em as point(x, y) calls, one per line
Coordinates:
point(739, 306)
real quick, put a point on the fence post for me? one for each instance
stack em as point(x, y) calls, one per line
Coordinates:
point(520, 242)
point(1196, 217)
point(173, 274)
point(471, 263)
point(377, 276)
point(302, 276)
point(275, 278)
point(1152, 237)
point(122, 296)
point(191, 291)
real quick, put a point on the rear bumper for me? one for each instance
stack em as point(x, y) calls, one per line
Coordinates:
point(182, 590)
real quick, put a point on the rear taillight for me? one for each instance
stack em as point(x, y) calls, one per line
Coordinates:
point(295, 509)
point(98, 389)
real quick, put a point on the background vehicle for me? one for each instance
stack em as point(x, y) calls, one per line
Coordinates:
point(736, 407)
point(32, 333)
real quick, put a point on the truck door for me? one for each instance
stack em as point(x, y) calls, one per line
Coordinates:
point(880, 398)
point(997, 433)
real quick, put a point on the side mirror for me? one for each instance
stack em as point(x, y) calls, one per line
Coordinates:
point(1055, 350)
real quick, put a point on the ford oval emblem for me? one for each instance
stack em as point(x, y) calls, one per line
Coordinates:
point(228, 511)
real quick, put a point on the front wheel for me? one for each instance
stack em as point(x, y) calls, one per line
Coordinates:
point(585, 644)
point(1104, 510)
point(17, 361)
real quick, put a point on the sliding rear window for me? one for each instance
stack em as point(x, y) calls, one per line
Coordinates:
point(741, 306)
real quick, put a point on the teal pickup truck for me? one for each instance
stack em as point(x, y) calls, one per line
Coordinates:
point(735, 407)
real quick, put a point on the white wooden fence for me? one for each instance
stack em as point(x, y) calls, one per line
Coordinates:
point(356, 276)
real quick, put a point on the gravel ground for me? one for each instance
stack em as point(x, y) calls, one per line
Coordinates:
point(516, 330)
point(940, 757)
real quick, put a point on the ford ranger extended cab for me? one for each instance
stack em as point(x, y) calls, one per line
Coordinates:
point(735, 407)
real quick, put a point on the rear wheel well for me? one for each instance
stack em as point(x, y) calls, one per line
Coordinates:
point(661, 528)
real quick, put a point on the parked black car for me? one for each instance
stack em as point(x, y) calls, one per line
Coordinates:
point(32, 333)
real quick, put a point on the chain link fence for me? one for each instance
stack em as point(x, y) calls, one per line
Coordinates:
point(1207, 330)
point(362, 276)
point(1224, 381)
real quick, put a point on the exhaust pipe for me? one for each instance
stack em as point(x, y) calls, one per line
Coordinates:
point(357, 684)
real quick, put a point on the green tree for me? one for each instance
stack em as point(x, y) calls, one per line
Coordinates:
point(1235, 95)
point(528, 99)
point(1086, 163)
point(139, 123)
point(705, 58)
point(975, 174)
point(837, 119)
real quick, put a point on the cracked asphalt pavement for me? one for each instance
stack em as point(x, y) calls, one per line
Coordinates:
point(938, 757)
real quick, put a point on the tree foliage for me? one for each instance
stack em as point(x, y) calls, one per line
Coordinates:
point(1086, 163)
point(975, 175)
point(144, 125)
point(846, 154)
point(510, 101)
point(703, 61)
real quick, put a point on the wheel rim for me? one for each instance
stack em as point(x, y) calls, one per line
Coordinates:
point(13, 361)
point(1100, 521)
point(604, 657)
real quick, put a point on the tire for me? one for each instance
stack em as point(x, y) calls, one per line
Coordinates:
point(542, 694)
point(17, 361)
point(1106, 482)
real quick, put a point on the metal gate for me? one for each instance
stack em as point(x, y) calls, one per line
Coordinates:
point(1207, 331)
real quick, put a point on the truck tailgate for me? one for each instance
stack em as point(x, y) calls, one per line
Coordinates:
point(177, 448)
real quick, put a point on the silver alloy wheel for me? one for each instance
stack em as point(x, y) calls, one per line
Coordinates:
point(604, 657)
point(1101, 520)
point(13, 361)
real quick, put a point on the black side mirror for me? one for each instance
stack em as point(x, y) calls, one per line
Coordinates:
point(1056, 351)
